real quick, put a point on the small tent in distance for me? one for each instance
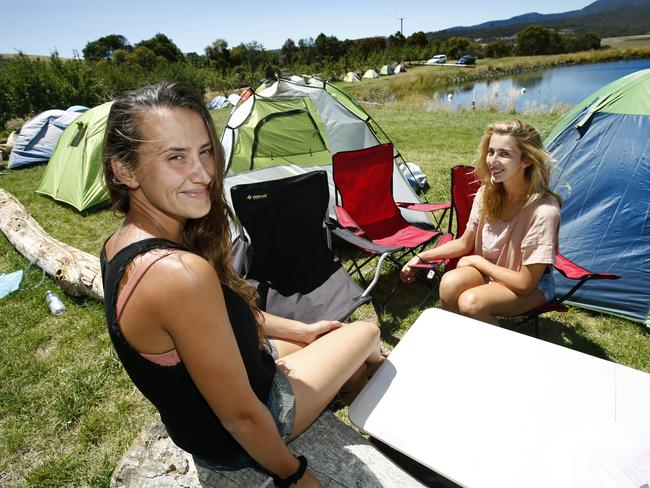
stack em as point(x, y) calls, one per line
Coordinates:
point(35, 142)
point(351, 77)
point(602, 171)
point(219, 102)
point(74, 173)
point(386, 70)
point(370, 74)
point(400, 68)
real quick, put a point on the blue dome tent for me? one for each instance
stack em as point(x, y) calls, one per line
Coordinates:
point(602, 153)
point(38, 136)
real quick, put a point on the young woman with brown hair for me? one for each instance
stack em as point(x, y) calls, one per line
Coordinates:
point(185, 326)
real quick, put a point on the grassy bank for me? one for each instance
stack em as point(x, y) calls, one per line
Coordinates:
point(425, 80)
point(67, 409)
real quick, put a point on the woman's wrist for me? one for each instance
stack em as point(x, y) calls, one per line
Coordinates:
point(292, 478)
point(420, 258)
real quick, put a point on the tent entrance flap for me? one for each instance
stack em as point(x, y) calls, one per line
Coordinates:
point(292, 136)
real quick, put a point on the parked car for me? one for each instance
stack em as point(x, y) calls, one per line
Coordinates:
point(467, 59)
point(438, 59)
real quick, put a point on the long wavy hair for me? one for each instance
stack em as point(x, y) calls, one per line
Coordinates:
point(529, 142)
point(208, 236)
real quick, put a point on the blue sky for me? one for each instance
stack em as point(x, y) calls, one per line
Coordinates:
point(43, 26)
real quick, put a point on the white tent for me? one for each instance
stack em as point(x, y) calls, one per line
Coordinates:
point(219, 102)
point(233, 98)
point(371, 73)
point(400, 69)
point(297, 79)
point(351, 77)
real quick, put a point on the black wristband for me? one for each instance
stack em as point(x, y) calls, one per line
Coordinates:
point(292, 478)
point(419, 257)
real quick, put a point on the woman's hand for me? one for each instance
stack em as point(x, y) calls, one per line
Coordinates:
point(407, 274)
point(317, 329)
point(471, 260)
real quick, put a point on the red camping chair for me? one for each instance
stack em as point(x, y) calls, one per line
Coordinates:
point(464, 186)
point(368, 216)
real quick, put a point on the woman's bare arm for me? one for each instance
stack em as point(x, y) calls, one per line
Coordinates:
point(522, 282)
point(297, 331)
point(178, 293)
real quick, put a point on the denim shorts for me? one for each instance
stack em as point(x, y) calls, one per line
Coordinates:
point(282, 405)
point(547, 286)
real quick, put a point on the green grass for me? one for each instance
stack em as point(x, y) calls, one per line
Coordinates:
point(68, 411)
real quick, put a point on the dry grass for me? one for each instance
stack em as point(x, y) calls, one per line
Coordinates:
point(627, 42)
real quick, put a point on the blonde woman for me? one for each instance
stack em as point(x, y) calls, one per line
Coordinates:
point(512, 232)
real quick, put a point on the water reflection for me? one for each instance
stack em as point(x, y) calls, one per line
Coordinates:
point(535, 91)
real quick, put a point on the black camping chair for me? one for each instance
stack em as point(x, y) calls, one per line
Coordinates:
point(296, 274)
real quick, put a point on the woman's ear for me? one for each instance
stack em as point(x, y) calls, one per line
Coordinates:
point(124, 174)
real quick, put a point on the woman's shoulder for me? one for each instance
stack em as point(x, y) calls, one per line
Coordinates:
point(181, 269)
point(546, 206)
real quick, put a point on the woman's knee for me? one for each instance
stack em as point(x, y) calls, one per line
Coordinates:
point(368, 329)
point(451, 285)
point(470, 303)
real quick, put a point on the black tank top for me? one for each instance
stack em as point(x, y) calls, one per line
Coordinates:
point(190, 421)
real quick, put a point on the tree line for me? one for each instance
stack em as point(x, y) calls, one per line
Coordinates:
point(112, 64)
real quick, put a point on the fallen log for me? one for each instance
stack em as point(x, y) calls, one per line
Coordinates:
point(76, 271)
point(338, 456)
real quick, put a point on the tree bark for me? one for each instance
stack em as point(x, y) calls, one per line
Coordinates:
point(76, 271)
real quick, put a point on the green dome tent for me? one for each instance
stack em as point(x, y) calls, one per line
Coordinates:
point(291, 128)
point(602, 171)
point(74, 172)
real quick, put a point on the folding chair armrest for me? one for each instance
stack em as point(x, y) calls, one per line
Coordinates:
point(572, 271)
point(359, 241)
point(424, 207)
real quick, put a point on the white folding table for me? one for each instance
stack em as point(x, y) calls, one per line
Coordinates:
point(490, 408)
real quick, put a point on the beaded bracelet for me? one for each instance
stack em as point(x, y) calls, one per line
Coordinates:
point(292, 478)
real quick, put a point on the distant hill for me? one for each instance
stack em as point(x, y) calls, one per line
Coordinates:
point(607, 18)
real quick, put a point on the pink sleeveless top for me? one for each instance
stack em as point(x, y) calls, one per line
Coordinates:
point(169, 358)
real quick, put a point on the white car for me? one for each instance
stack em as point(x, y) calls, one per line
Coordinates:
point(438, 59)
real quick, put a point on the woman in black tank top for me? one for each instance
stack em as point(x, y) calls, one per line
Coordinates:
point(188, 330)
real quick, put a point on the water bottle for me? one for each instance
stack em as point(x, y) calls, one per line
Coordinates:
point(54, 302)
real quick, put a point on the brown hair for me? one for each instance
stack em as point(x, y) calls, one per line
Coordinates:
point(530, 144)
point(208, 236)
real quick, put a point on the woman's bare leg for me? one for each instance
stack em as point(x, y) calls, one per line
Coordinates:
point(455, 282)
point(353, 385)
point(286, 346)
point(318, 371)
point(488, 301)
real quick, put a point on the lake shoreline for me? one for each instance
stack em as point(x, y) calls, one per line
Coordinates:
point(420, 80)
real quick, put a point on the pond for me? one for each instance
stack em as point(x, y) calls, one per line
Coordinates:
point(538, 91)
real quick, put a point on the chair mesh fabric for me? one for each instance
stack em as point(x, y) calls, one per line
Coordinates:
point(297, 275)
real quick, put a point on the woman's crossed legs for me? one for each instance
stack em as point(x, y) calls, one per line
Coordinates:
point(466, 291)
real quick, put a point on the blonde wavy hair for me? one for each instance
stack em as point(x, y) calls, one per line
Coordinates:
point(529, 142)
point(208, 236)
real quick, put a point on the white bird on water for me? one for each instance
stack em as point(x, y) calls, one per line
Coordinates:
point(450, 97)
point(523, 90)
